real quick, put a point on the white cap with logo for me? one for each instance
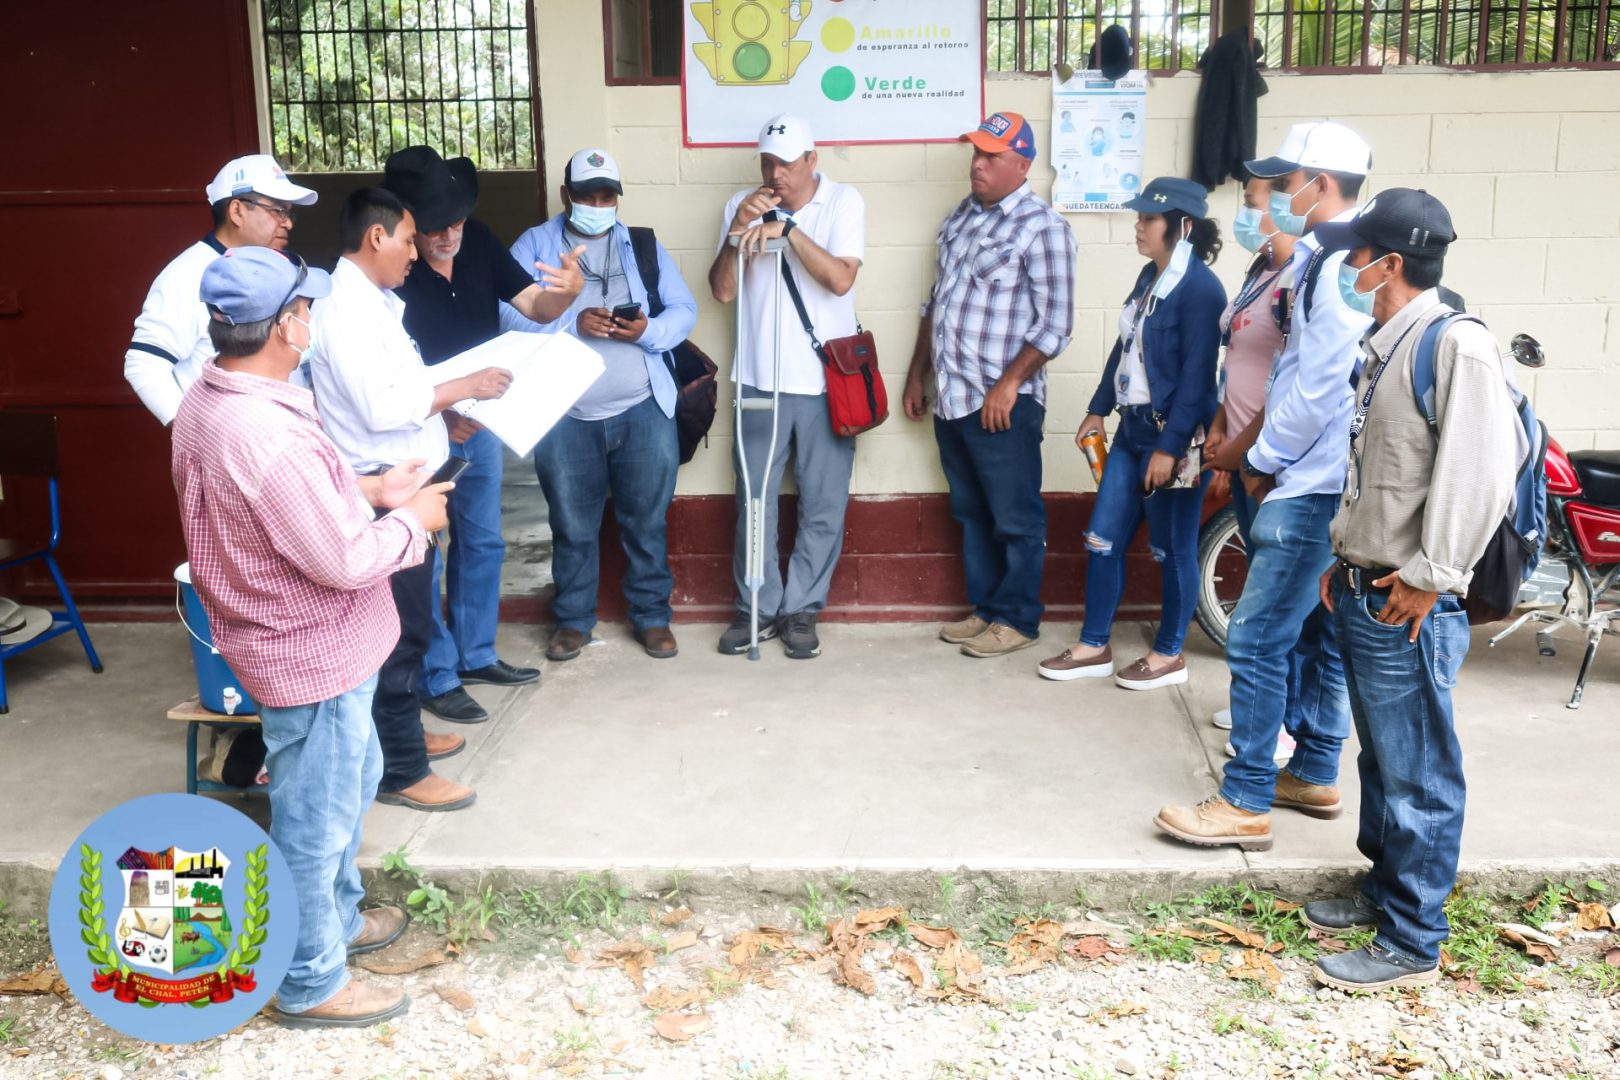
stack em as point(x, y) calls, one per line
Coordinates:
point(1316, 144)
point(257, 173)
point(592, 170)
point(786, 137)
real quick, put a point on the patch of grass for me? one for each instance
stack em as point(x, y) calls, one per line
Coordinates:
point(815, 913)
point(1172, 947)
point(1226, 1023)
point(1476, 950)
point(1600, 977)
point(590, 902)
point(13, 1032)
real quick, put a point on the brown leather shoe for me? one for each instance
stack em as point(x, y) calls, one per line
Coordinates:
point(1066, 666)
point(1312, 800)
point(431, 793)
point(998, 639)
point(442, 746)
point(958, 632)
point(1216, 823)
point(658, 641)
point(566, 644)
point(358, 1004)
point(382, 929)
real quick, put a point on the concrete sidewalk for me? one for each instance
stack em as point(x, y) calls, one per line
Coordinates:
point(892, 758)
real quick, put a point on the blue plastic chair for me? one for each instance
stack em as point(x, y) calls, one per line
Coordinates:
point(28, 447)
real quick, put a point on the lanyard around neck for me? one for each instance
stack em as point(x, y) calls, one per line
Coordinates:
point(1359, 420)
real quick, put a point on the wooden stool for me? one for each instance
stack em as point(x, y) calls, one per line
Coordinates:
point(194, 716)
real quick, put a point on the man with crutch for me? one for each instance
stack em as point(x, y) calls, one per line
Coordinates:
point(823, 226)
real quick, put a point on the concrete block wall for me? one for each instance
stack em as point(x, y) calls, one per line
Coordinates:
point(1528, 162)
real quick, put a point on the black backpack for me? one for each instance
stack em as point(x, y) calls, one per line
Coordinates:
point(696, 393)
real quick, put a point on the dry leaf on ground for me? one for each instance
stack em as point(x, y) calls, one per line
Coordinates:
point(1593, 917)
point(1207, 956)
point(1242, 937)
point(681, 1027)
point(1612, 957)
point(683, 940)
point(750, 943)
point(459, 999)
point(44, 979)
point(867, 922)
point(1533, 942)
point(1035, 945)
point(1117, 1012)
point(1327, 942)
point(1093, 948)
point(633, 955)
point(664, 999)
point(1278, 904)
point(676, 917)
point(848, 945)
point(475, 1028)
point(907, 965)
point(935, 937)
point(388, 962)
point(1255, 966)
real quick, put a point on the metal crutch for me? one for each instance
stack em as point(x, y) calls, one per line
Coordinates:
point(754, 550)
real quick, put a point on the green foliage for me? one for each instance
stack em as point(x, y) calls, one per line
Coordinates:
point(350, 81)
point(1475, 949)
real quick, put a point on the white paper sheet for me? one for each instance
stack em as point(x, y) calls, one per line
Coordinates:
point(549, 373)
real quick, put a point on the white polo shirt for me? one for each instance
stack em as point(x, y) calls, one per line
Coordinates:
point(170, 343)
point(835, 218)
point(371, 387)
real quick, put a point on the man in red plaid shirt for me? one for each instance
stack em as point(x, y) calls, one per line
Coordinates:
point(293, 572)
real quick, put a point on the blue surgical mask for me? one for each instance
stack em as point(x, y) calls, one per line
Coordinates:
point(1348, 276)
point(1180, 256)
point(1281, 206)
point(308, 354)
point(592, 220)
point(1246, 229)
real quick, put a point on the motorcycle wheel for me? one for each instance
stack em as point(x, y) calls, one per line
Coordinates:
point(1223, 566)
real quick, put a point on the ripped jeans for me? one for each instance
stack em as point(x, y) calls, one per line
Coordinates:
point(1172, 517)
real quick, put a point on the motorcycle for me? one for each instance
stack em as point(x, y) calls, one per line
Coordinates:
point(1571, 586)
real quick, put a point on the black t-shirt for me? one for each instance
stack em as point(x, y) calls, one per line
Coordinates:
point(449, 317)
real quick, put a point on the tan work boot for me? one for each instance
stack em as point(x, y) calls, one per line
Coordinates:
point(382, 928)
point(1312, 800)
point(431, 793)
point(958, 632)
point(440, 746)
point(1216, 823)
point(358, 1004)
point(998, 640)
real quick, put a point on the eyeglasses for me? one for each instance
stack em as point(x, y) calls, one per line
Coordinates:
point(298, 282)
point(280, 213)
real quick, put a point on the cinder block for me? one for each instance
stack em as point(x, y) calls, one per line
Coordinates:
point(630, 106)
point(1470, 198)
point(1498, 271)
point(1590, 142)
point(911, 579)
point(903, 164)
point(1567, 204)
point(1583, 269)
point(1571, 334)
point(646, 155)
point(1494, 143)
point(1399, 143)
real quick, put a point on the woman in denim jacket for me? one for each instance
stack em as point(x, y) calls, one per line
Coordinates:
point(1161, 378)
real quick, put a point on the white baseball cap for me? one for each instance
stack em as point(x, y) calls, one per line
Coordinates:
point(260, 174)
point(593, 170)
point(786, 137)
point(1316, 144)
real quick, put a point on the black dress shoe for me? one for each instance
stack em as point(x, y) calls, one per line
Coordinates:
point(1336, 916)
point(1374, 968)
point(457, 706)
point(500, 673)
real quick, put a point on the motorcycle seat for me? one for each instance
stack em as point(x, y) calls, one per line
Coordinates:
point(1599, 471)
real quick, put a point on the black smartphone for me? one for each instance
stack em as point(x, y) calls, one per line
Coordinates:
point(450, 471)
point(627, 312)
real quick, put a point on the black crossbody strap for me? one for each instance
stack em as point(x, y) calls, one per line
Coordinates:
point(798, 305)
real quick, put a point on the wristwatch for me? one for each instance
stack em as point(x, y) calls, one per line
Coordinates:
point(788, 225)
point(1250, 470)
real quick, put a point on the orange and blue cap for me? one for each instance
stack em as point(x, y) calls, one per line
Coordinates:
point(1001, 132)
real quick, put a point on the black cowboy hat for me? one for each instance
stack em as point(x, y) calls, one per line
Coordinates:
point(438, 192)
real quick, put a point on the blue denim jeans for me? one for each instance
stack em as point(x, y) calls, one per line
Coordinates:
point(1243, 507)
point(1284, 656)
point(1172, 517)
point(472, 570)
point(324, 763)
point(632, 456)
point(1412, 787)
point(995, 482)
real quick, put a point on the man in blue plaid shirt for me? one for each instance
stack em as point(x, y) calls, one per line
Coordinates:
point(1001, 307)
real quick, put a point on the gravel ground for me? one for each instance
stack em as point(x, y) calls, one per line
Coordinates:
point(498, 1015)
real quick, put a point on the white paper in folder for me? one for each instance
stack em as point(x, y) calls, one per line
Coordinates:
point(549, 373)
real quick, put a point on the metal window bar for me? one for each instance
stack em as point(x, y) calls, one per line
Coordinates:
point(1314, 36)
point(351, 81)
point(1035, 35)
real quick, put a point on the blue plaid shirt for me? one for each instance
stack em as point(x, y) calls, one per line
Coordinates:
point(1004, 279)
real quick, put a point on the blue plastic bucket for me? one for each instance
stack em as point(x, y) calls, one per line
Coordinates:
point(218, 688)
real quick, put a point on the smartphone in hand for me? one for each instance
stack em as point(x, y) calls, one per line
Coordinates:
point(627, 312)
point(450, 471)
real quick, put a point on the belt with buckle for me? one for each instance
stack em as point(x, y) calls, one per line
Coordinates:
point(1359, 579)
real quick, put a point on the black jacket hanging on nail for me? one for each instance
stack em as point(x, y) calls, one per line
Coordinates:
point(1226, 121)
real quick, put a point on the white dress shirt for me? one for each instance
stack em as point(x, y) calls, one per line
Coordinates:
point(374, 393)
point(170, 342)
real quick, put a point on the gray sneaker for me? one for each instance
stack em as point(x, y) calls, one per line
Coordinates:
point(798, 634)
point(1337, 916)
point(1374, 968)
point(735, 640)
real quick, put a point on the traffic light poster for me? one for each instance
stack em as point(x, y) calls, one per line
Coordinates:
point(1097, 126)
point(860, 71)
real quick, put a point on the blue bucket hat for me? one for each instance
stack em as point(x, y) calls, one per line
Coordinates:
point(1171, 193)
point(250, 284)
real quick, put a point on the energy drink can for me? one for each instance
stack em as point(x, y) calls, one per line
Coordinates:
point(1096, 448)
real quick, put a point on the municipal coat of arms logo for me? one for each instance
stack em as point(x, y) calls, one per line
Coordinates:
point(173, 941)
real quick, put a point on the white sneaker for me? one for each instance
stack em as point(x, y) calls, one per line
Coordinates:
point(1284, 752)
point(1222, 719)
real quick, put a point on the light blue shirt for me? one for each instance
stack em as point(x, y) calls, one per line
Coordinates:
point(1306, 437)
point(546, 243)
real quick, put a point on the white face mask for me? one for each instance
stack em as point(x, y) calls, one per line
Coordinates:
point(308, 352)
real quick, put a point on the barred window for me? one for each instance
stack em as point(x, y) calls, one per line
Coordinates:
point(1038, 35)
point(351, 81)
point(643, 41)
point(1365, 35)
